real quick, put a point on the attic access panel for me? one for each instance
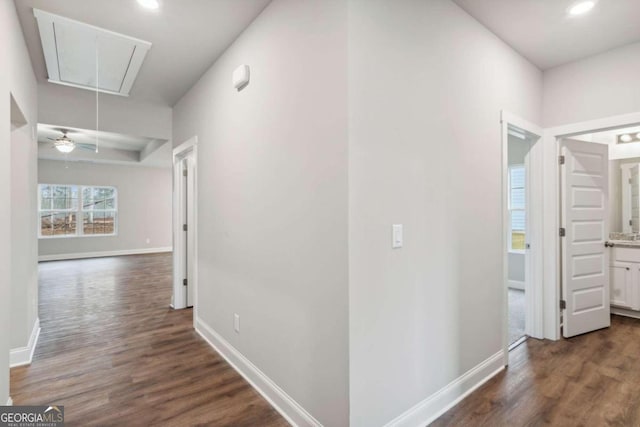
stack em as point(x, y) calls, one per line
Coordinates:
point(73, 51)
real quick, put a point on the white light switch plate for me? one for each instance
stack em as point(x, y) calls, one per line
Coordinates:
point(397, 237)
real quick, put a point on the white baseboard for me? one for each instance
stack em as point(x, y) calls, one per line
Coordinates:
point(516, 284)
point(295, 414)
point(625, 312)
point(80, 255)
point(427, 411)
point(24, 355)
point(9, 401)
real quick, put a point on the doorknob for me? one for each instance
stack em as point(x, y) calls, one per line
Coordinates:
point(608, 245)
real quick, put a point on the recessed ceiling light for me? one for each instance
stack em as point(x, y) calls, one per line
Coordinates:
point(626, 138)
point(149, 4)
point(580, 8)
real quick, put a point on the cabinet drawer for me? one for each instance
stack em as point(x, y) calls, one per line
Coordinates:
point(626, 254)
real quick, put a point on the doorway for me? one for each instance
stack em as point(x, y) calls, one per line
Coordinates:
point(185, 225)
point(599, 243)
point(519, 143)
point(522, 231)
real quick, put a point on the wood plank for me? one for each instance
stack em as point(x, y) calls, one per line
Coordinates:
point(113, 353)
point(588, 380)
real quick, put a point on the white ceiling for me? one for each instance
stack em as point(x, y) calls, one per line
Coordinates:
point(114, 148)
point(89, 136)
point(543, 33)
point(187, 36)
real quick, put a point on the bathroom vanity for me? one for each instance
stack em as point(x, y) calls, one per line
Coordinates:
point(624, 253)
point(624, 263)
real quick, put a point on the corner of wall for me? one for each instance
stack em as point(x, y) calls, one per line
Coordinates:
point(24, 355)
point(291, 410)
point(431, 408)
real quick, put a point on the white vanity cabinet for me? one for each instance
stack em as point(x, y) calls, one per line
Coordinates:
point(624, 270)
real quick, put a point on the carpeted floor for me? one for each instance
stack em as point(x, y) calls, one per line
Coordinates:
point(516, 315)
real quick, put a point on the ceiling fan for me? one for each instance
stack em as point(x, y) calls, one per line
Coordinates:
point(64, 144)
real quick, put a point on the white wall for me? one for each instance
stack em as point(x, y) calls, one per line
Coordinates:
point(517, 150)
point(426, 86)
point(67, 106)
point(24, 239)
point(516, 267)
point(273, 200)
point(17, 79)
point(144, 206)
point(593, 88)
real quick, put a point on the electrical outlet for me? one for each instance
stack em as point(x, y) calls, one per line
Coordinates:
point(236, 322)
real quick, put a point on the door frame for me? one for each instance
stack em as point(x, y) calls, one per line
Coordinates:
point(179, 296)
point(534, 214)
point(552, 214)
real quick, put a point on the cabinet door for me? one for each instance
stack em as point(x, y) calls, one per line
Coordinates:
point(634, 296)
point(622, 294)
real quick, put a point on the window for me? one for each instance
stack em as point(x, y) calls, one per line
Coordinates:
point(73, 210)
point(517, 219)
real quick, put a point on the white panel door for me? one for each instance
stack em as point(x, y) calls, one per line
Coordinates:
point(585, 260)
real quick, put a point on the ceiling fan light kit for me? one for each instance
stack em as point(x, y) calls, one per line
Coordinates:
point(64, 144)
point(65, 147)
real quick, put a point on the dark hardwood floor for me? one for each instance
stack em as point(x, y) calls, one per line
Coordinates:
point(589, 380)
point(113, 353)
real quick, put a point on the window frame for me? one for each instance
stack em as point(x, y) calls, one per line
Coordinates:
point(511, 210)
point(79, 212)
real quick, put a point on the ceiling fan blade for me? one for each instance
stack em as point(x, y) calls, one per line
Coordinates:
point(53, 139)
point(86, 147)
point(64, 130)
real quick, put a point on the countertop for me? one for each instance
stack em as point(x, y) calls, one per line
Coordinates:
point(625, 243)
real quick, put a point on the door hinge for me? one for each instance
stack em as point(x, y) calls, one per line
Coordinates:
point(184, 172)
point(184, 227)
point(184, 282)
point(561, 160)
point(630, 222)
point(563, 304)
point(563, 232)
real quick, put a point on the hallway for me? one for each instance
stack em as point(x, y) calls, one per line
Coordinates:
point(113, 353)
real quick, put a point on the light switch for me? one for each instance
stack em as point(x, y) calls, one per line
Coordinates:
point(396, 236)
